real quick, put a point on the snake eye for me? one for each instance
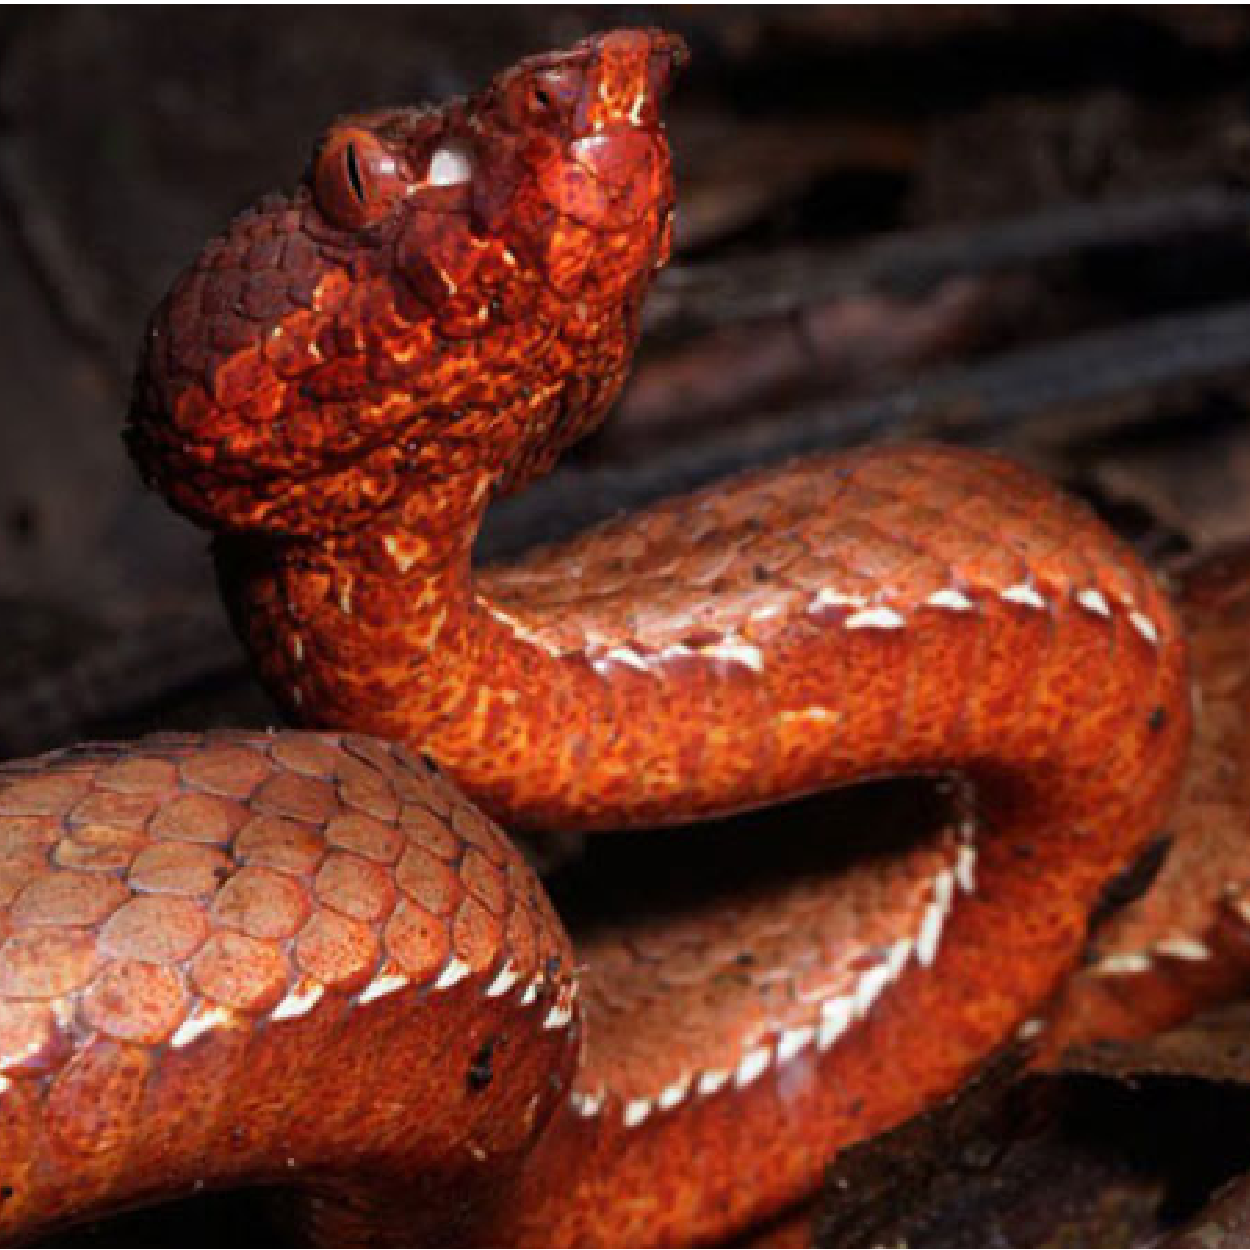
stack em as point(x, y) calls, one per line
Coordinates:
point(541, 99)
point(356, 180)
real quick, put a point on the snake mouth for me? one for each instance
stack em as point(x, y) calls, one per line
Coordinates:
point(763, 943)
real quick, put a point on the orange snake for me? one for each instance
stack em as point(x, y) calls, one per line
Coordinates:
point(289, 958)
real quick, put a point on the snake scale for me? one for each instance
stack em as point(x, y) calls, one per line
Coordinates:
point(307, 959)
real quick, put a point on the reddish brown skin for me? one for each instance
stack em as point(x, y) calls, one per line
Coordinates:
point(337, 387)
point(144, 886)
point(1185, 944)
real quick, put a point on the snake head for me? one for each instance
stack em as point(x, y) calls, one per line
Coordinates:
point(451, 293)
point(578, 131)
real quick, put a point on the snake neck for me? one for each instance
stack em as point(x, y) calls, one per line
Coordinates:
point(633, 677)
point(389, 628)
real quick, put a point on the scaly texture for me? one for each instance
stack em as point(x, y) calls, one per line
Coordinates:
point(217, 951)
point(1185, 944)
point(338, 387)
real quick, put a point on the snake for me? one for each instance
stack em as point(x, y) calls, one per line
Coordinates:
point(312, 958)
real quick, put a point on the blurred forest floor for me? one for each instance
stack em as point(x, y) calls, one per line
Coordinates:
point(1025, 228)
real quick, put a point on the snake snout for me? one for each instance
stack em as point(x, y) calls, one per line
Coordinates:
point(631, 74)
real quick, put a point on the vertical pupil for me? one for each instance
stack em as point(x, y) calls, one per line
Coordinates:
point(353, 172)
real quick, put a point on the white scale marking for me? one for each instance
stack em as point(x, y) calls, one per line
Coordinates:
point(1025, 595)
point(1094, 601)
point(835, 1018)
point(1031, 1029)
point(930, 936)
point(900, 953)
point(875, 618)
point(966, 868)
point(830, 598)
point(870, 987)
point(382, 985)
point(951, 599)
point(1183, 948)
point(628, 656)
point(677, 650)
point(299, 1002)
point(712, 1081)
point(792, 1041)
point(1123, 965)
point(752, 1066)
point(588, 1105)
point(672, 1095)
point(454, 970)
point(1144, 626)
point(636, 1111)
point(737, 653)
point(504, 980)
point(202, 1020)
point(559, 1015)
point(1239, 905)
point(525, 635)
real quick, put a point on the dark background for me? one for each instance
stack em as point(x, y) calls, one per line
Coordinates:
point(1029, 228)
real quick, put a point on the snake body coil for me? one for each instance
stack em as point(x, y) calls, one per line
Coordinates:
point(306, 959)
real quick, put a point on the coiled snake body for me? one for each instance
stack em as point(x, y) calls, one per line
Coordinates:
point(287, 958)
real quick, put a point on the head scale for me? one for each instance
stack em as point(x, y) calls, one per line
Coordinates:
point(449, 291)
